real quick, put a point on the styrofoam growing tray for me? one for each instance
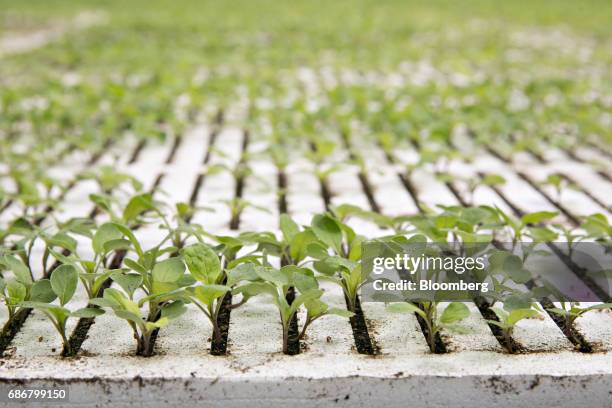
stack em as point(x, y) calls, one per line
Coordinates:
point(329, 370)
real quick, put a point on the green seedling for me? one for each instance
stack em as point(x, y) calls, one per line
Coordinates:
point(109, 179)
point(276, 283)
point(508, 319)
point(204, 266)
point(428, 311)
point(108, 239)
point(530, 225)
point(63, 285)
point(597, 227)
point(343, 266)
point(294, 247)
point(559, 183)
point(21, 287)
point(163, 282)
point(571, 311)
point(571, 237)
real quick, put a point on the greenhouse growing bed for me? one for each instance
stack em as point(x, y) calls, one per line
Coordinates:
point(220, 263)
point(329, 368)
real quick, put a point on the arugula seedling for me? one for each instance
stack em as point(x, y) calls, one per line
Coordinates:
point(276, 283)
point(129, 310)
point(343, 267)
point(559, 183)
point(22, 287)
point(488, 180)
point(571, 311)
point(63, 284)
point(453, 313)
point(530, 225)
point(109, 179)
point(508, 320)
point(205, 267)
point(109, 238)
point(597, 227)
point(163, 283)
point(294, 246)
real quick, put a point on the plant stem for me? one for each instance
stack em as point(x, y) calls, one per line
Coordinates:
point(285, 338)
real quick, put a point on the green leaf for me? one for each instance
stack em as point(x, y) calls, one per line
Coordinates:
point(538, 217)
point(138, 205)
point(288, 227)
point(517, 301)
point(251, 289)
point(560, 312)
point(542, 234)
point(173, 310)
point(203, 263)
point(161, 322)
point(107, 232)
point(60, 313)
point(130, 316)
point(601, 306)
point(207, 294)
point(340, 312)
point(104, 302)
point(328, 231)
point(493, 180)
point(454, 312)
point(304, 297)
point(116, 245)
point(300, 244)
point(242, 272)
point(20, 270)
point(166, 275)
point(62, 240)
point(87, 312)
point(42, 291)
point(277, 277)
point(128, 281)
point(303, 279)
point(64, 281)
point(135, 266)
point(405, 307)
point(596, 225)
point(16, 292)
point(102, 202)
point(130, 235)
point(519, 314)
point(316, 308)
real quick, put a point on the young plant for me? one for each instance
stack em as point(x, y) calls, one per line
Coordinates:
point(109, 179)
point(428, 311)
point(162, 281)
point(294, 246)
point(530, 225)
point(343, 267)
point(507, 321)
point(205, 267)
point(598, 228)
point(163, 285)
point(107, 239)
point(21, 288)
point(572, 237)
point(63, 284)
point(571, 311)
point(319, 155)
point(559, 183)
point(276, 283)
